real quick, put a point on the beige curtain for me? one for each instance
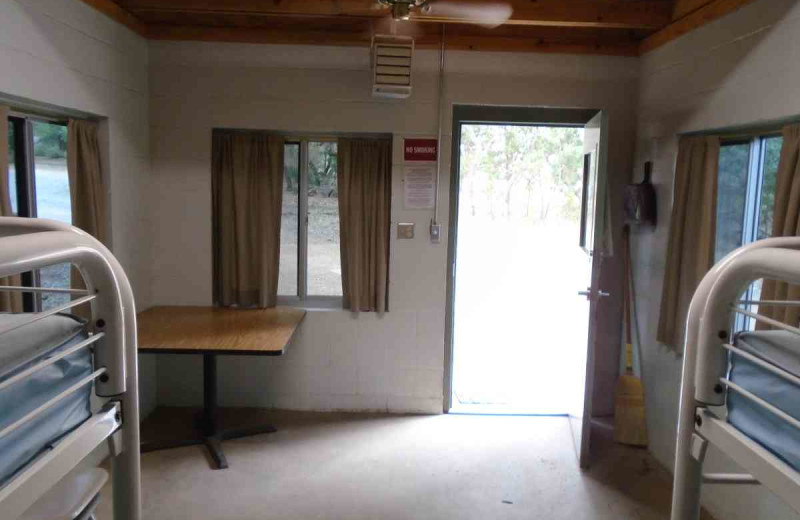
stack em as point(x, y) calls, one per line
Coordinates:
point(786, 222)
point(690, 249)
point(247, 193)
point(87, 191)
point(364, 182)
point(9, 302)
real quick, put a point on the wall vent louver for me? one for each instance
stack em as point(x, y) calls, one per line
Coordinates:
point(391, 66)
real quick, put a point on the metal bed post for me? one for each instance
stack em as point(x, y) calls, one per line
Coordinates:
point(708, 325)
point(114, 314)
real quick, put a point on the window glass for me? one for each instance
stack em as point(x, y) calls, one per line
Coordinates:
point(766, 208)
point(287, 271)
point(12, 170)
point(745, 202)
point(52, 197)
point(324, 260)
point(772, 153)
point(731, 197)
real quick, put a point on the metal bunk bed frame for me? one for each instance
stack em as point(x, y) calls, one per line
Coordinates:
point(28, 244)
point(704, 383)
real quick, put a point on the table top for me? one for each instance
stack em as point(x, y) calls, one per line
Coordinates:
point(171, 329)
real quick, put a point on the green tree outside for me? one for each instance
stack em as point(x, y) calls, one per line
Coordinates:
point(522, 171)
point(50, 141)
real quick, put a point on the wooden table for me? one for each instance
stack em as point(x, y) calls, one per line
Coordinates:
point(213, 331)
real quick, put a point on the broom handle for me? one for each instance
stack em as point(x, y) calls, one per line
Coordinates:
point(627, 299)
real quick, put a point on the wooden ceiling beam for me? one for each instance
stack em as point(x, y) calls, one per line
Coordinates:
point(362, 39)
point(118, 14)
point(509, 44)
point(707, 13)
point(685, 7)
point(632, 14)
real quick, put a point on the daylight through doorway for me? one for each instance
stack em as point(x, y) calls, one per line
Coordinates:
point(519, 327)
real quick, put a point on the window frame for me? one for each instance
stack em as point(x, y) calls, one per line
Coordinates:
point(302, 298)
point(25, 177)
point(25, 196)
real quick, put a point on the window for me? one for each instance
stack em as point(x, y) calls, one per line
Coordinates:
point(745, 199)
point(731, 194)
point(310, 262)
point(39, 187)
point(12, 167)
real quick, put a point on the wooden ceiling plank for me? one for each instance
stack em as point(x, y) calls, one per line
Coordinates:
point(685, 7)
point(368, 26)
point(639, 14)
point(698, 18)
point(494, 44)
point(119, 15)
point(454, 42)
point(286, 7)
point(646, 14)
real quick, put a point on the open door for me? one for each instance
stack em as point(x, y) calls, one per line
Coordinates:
point(596, 244)
point(551, 198)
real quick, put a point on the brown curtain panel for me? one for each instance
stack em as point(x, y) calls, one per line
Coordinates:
point(9, 302)
point(247, 193)
point(786, 222)
point(365, 192)
point(86, 188)
point(690, 249)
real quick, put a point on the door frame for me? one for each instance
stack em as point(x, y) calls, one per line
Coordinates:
point(512, 115)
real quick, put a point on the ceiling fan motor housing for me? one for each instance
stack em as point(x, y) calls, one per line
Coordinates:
point(391, 66)
point(401, 9)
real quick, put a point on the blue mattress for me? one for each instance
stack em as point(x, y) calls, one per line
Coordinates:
point(21, 348)
point(781, 349)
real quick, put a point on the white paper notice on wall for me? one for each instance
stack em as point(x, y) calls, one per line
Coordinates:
point(420, 185)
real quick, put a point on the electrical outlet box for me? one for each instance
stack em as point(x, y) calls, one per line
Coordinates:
point(405, 230)
point(436, 233)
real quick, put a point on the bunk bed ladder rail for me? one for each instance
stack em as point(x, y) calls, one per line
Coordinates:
point(28, 244)
point(708, 327)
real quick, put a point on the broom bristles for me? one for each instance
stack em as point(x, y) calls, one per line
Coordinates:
point(630, 425)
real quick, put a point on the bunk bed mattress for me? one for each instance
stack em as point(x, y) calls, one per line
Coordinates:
point(22, 348)
point(781, 349)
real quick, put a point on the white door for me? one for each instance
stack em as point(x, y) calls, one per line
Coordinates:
point(595, 242)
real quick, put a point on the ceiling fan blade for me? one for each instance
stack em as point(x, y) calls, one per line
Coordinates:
point(486, 15)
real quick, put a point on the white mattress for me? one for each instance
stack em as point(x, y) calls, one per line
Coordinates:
point(20, 349)
point(781, 349)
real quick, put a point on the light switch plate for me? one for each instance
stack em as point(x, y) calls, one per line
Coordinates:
point(405, 230)
point(436, 233)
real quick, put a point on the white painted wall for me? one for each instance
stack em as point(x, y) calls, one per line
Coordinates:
point(340, 361)
point(66, 54)
point(741, 69)
point(738, 70)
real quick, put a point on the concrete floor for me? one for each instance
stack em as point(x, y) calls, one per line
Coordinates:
point(346, 466)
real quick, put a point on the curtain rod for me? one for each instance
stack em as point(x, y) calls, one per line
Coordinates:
point(305, 135)
point(769, 126)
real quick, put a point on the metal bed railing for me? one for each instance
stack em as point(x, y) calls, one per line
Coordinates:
point(29, 244)
point(705, 384)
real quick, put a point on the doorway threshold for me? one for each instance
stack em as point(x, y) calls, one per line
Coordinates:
point(494, 409)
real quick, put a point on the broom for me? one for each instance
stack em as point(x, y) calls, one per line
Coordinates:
point(630, 426)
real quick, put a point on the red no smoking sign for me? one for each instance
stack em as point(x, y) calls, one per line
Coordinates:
point(420, 149)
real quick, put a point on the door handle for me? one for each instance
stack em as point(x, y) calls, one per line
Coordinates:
point(588, 293)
